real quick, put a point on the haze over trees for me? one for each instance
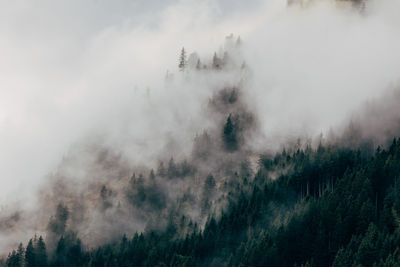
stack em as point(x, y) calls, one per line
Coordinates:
point(334, 207)
point(221, 197)
point(334, 204)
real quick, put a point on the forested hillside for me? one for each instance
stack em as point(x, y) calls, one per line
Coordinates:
point(227, 203)
point(332, 207)
point(262, 153)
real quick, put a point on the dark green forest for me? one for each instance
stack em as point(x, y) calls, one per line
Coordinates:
point(336, 207)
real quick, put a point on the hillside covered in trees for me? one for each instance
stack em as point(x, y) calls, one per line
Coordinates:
point(246, 156)
point(334, 207)
point(334, 203)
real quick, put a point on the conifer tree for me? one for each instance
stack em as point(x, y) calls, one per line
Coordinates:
point(12, 259)
point(152, 176)
point(41, 254)
point(161, 171)
point(30, 254)
point(229, 135)
point(172, 168)
point(20, 254)
point(182, 60)
point(60, 252)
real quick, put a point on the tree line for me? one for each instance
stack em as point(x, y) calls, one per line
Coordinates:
point(332, 206)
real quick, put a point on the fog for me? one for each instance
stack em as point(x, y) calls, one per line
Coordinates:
point(78, 78)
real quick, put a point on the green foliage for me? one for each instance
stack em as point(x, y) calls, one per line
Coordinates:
point(30, 255)
point(325, 207)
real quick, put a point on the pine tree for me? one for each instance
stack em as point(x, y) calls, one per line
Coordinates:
point(182, 60)
point(161, 171)
point(60, 252)
point(152, 176)
point(30, 255)
point(20, 254)
point(172, 169)
point(230, 135)
point(41, 254)
point(76, 254)
point(12, 259)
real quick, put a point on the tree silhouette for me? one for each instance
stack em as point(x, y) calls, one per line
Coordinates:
point(230, 135)
point(30, 254)
point(182, 60)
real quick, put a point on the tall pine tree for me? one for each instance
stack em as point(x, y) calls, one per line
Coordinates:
point(41, 254)
point(30, 254)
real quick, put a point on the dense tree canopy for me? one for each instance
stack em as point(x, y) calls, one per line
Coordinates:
point(334, 208)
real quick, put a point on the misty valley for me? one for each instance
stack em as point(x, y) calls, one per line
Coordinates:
point(278, 147)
